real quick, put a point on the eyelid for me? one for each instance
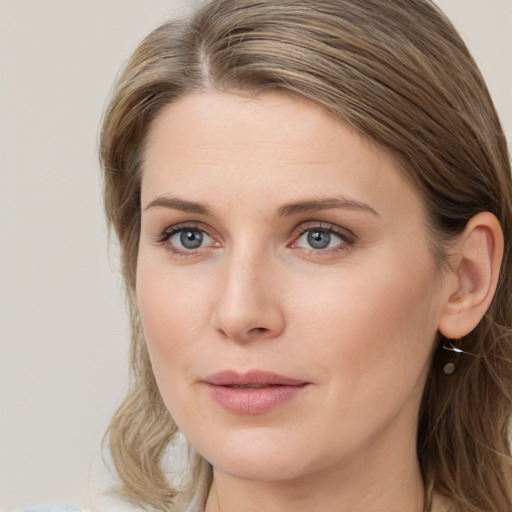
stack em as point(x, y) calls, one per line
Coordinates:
point(343, 232)
point(165, 234)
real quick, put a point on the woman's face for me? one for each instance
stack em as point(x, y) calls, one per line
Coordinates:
point(286, 287)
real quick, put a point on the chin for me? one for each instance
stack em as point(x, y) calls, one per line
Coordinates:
point(259, 456)
point(260, 467)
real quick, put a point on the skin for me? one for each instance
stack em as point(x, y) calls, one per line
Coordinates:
point(356, 321)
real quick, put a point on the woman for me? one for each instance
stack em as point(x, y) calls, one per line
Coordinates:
point(313, 202)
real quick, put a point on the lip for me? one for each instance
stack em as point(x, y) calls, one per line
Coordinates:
point(254, 392)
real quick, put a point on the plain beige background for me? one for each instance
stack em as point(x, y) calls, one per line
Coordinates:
point(63, 328)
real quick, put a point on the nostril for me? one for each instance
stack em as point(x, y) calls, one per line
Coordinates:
point(259, 329)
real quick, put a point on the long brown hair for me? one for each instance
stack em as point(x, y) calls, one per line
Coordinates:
point(397, 72)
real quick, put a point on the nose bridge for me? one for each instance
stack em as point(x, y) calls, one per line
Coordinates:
point(248, 305)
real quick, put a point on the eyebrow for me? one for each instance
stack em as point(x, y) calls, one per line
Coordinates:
point(179, 204)
point(315, 205)
point(301, 207)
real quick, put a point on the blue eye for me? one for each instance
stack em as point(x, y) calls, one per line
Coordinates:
point(323, 238)
point(187, 239)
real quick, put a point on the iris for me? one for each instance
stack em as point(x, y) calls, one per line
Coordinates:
point(319, 239)
point(191, 239)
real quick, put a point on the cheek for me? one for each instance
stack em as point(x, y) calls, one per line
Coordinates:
point(171, 302)
point(173, 313)
point(172, 332)
point(373, 326)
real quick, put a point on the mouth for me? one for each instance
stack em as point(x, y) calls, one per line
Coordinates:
point(254, 392)
point(252, 379)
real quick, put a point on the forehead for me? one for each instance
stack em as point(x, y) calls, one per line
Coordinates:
point(242, 146)
point(286, 126)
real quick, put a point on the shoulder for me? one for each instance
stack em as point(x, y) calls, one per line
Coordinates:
point(55, 507)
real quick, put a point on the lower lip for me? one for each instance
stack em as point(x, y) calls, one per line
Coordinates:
point(253, 401)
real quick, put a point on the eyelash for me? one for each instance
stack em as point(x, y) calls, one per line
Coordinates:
point(347, 238)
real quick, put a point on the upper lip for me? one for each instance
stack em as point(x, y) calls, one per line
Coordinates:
point(251, 378)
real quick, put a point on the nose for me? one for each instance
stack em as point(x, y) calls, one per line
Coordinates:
point(248, 306)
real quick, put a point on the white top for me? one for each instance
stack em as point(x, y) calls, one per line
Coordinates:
point(195, 506)
point(53, 507)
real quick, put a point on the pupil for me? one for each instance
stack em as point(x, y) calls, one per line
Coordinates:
point(319, 239)
point(191, 239)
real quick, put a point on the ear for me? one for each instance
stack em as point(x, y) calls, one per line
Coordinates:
point(473, 276)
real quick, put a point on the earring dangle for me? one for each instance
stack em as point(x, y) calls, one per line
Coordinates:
point(449, 368)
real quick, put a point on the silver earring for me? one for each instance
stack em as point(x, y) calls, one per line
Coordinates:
point(449, 368)
point(449, 346)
